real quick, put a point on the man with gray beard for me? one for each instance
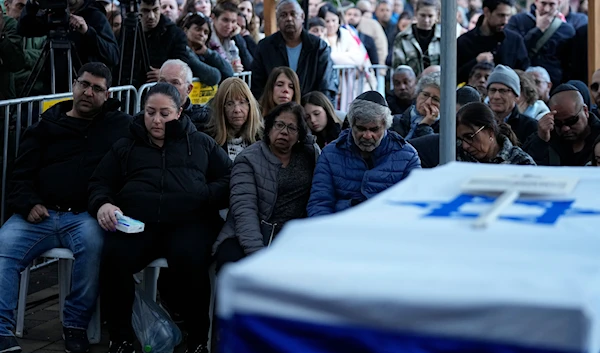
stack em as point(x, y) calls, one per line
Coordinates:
point(364, 161)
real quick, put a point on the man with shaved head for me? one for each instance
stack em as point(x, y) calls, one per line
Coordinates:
point(566, 135)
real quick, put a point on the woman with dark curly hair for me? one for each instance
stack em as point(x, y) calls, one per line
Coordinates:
point(270, 185)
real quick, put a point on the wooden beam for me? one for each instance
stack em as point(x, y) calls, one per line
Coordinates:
point(593, 38)
point(270, 18)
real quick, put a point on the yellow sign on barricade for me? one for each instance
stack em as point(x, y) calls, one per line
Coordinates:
point(49, 103)
point(201, 94)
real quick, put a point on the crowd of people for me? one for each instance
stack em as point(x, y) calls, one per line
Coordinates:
point(219, 181)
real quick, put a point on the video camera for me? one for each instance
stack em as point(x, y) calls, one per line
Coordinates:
point(57, 12)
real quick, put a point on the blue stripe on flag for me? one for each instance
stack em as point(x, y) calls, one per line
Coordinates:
point(260, 334)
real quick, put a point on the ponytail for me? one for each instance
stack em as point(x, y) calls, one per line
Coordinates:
point(505, 129)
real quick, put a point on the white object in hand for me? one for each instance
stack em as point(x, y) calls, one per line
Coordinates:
point(127, 224)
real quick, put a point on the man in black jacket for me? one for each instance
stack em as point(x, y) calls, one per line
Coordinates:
point(164, 41)
point(91, 35)
point(179, 74)
point(491, 42)
point(306, 54)
point(49, 186)
point(566, 135)
point(504, 88)
point(555, 54)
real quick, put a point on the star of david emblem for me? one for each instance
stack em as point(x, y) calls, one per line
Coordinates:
point(552, 211)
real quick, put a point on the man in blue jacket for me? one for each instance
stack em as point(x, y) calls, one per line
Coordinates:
point(364, 161)
point(555, 53)
point(491, 42)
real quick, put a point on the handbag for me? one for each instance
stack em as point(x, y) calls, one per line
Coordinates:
point(268, 231)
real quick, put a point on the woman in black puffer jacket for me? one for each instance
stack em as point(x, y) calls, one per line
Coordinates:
point(174, 179)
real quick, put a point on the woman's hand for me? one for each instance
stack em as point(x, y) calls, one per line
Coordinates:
point(431, 114)
point(107, 218)
point(200, 49)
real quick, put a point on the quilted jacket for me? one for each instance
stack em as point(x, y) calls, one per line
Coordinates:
point(253, 193)
point(343, 179)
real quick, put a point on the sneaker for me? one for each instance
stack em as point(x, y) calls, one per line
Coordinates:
point(9, 344)
point(123, 347)
point(76, 340)
point(197, 349)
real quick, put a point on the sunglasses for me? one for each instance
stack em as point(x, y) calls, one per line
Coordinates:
point(570, 121)
point(594, 86)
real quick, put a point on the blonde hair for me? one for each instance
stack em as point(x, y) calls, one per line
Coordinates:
point(266, 100)
point(219, 128)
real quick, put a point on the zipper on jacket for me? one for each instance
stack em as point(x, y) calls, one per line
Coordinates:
point(162, 181)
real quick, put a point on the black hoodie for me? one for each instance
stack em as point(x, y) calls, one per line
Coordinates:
point(97, 44)
point(507, 46)
point(58, 155)
point(186, 180)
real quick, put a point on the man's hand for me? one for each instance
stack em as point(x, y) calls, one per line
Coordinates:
point(543, 21)
point(152, 75)
point(37, 214)
point(107, 218)
point(546, 126)
point(78, 24)
point(487, 56)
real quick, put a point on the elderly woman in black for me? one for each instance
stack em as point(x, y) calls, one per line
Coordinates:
point(270, 184)
point(174, 179)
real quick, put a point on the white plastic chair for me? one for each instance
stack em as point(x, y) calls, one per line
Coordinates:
point(150, 279)
point(65, 266)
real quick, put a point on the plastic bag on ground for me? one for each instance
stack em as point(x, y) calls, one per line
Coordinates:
point(153, 327)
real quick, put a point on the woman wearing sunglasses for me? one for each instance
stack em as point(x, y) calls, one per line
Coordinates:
point(480, 139)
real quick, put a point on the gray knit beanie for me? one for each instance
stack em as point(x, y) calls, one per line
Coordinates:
point(506, 76)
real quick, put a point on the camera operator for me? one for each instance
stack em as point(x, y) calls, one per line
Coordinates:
point(11, 56)
point(164, 41)
point(90, 33)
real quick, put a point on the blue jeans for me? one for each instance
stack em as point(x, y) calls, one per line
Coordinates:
point(22, 242)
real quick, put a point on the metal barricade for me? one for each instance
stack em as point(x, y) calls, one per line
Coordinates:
point(14, 112)
point(246, 76)
point(381, 72)
point(351, 82)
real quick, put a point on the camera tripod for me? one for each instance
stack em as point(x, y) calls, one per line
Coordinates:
point(133, 41)
point(59, 48)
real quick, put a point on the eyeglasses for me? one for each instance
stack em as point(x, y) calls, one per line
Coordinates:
point(230, 105)
point(85, 85)
point(570, 121)
point(594, 86)
point(428, 95)
point(468, 138)
point(502, 91)
point(279, 125)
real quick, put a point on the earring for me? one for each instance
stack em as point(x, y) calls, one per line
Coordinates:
point(491, 138)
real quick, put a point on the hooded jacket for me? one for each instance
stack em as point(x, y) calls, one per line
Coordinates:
point(58, 155)
point(555, 55)
point(186, 180)
point(507, 47)
point(343, 178)
point(165, 41)
point(315, 68)
point(97, 44)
